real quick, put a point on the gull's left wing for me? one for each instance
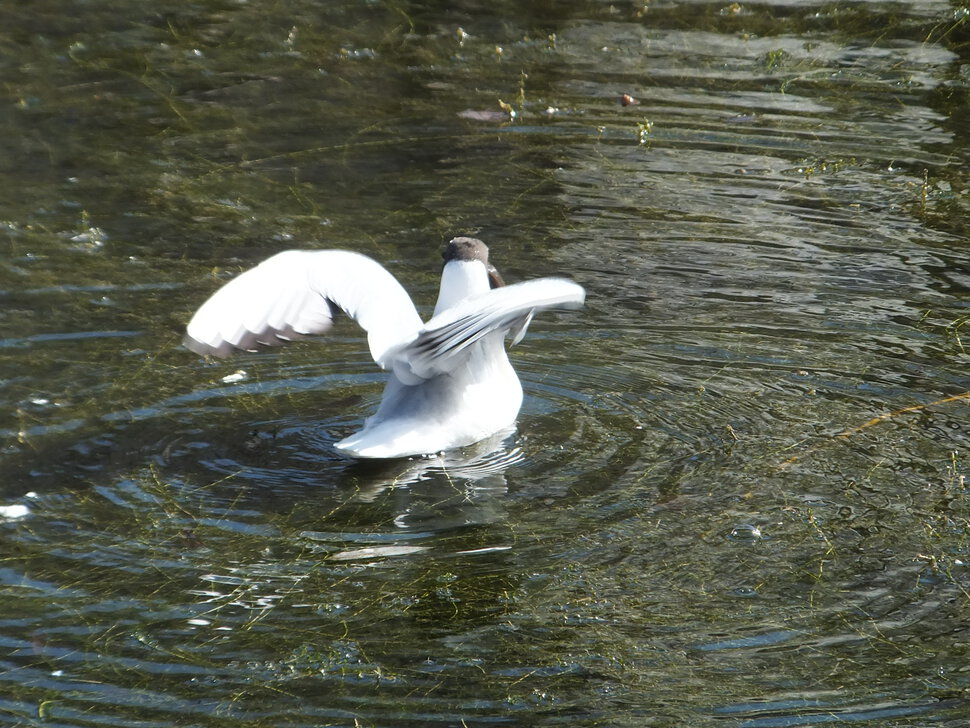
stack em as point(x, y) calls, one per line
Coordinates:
point(297, 293)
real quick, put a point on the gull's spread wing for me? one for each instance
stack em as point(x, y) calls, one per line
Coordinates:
point(296, 293)
point(444, 342)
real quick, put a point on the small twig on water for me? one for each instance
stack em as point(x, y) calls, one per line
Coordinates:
point(845, 434)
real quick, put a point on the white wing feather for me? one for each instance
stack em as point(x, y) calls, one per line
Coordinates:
point(297, 293)
point(444, 342)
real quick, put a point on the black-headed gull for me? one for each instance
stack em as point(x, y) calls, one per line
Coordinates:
point(451, 383)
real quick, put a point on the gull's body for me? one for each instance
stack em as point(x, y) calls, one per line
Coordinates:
point(450, 384)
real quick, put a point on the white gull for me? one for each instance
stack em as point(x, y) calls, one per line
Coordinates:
point(450, 384)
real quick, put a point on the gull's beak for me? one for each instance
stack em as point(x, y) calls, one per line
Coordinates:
point(494, 277)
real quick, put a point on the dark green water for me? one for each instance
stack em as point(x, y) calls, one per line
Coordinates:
point(737, 494)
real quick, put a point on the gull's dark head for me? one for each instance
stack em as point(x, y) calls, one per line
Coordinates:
point(468, 249)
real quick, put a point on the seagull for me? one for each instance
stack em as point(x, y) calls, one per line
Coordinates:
point(450, 382)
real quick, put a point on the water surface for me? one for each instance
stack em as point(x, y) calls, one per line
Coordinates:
point(737, 491)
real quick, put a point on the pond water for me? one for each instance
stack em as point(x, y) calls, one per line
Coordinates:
point(737, 492)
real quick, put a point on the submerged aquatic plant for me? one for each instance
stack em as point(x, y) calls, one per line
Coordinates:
point(644, 130)
point(953, 331)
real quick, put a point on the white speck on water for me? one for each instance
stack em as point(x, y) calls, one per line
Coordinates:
point(14, 511)
point(237, 376)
